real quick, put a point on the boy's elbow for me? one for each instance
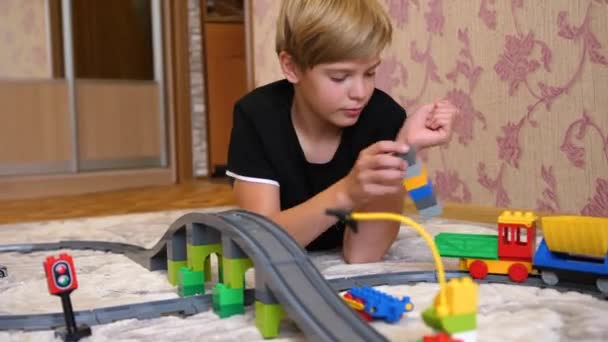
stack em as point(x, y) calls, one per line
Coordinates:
point(360, 257)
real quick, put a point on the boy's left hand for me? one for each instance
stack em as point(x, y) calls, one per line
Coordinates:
point(430, 125)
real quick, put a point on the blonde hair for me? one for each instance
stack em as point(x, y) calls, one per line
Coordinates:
point(327, 31)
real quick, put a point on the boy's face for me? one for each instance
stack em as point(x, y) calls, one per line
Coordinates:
point(338, 92)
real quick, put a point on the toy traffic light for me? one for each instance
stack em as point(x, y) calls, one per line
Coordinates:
point(60, 274)
point(61, 280)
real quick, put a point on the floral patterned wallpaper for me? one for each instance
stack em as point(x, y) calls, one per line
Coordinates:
point(24, 47)
point(530, 79)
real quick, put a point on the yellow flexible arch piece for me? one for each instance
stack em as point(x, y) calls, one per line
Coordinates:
point(441, 307)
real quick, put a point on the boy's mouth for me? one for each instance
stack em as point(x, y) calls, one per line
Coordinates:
point(352, 112)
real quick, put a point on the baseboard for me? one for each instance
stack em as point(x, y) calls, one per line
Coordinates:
point(469, 212)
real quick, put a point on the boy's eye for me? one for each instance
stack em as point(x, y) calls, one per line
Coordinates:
point(371, 73)
point(337, 79)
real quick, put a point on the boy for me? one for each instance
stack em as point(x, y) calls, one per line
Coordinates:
point(324, 137)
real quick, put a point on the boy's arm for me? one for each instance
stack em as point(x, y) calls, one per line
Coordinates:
point(304, 222)
point(373, 238)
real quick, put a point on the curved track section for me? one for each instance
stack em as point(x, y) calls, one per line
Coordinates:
point(178, 307)
point(103, 246)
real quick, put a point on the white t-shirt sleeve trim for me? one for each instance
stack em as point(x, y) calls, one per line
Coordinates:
point(252, 179)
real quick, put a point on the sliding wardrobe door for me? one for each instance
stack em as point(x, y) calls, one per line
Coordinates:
point(116, 73)
point(34, 121)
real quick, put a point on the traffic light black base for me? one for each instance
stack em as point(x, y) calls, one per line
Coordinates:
point(81, 331)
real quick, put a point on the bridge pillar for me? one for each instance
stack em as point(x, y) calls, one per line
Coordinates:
point(235, 263)
point(202, 241)
point(176, 255)
point(268, 311)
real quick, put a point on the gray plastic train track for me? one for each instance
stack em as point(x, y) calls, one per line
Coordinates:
point(202, 303)
point(309, 299)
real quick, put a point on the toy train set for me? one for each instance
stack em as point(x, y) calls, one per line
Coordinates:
point(572, 245)
point(573, 248)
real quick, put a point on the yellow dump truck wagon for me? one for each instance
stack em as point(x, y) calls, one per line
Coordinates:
point(576, 235)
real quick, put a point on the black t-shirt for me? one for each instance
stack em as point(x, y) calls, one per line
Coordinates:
point(264, 147)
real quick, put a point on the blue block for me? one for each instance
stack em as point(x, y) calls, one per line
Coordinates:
point(544, 258)
point(381, 305)
point(421, 192)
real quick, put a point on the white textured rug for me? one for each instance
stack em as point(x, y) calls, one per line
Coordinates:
point(506, 312)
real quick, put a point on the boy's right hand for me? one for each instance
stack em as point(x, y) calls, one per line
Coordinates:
point(378, 171)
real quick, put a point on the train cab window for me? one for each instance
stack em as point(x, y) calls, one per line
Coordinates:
point(506, 235)
point(522, 236)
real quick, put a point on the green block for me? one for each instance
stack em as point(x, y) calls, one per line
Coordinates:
point(190, 282)
point(476, 246)
point(450, 324)
point(268, 318)
point(187, 277)
point(185, 291)
point(228, 302)
point(198, 255)
point(234, 271)
point(173, 270)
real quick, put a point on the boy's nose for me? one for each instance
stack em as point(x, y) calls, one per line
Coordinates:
point(357, 90)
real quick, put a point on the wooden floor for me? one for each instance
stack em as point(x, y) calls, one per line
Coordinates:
point(202, 193)
point(198, 194)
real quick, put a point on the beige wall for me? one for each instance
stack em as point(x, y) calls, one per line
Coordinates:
point(24, 39)
point(529, 77)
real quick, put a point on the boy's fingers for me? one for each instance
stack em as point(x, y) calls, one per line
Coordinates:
point(386, 177)
point(388, 161)
point(387, 146)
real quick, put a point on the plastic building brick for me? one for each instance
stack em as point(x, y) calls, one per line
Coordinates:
point(3, 271)
point(554, 265)
point(461, 297)
point(381, 305)
point(268, 318)
point(516, 235)
point(440, 337)
point(234, 271)
point(355, 303)
point(61, 280)
point(199, 257)
point(477, 246)
point(176, 254)
point(190, 282)
point(358, 306)
point(576, 235)
point(517, 271)
point(574, 247)
point(419, 186)
point(228, 302)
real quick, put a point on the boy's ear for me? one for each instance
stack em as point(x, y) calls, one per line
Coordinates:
point(289, 67)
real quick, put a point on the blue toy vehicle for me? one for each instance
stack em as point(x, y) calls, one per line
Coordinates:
point(574, 249)
point(380, 305)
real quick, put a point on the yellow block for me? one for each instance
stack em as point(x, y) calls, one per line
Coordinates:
point(416, 181)
point(461, 295)
point(495, 266)
point(580, 235)
point(517, 217)
point(353, 304)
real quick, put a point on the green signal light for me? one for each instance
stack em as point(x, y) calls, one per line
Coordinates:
point(63, 280)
